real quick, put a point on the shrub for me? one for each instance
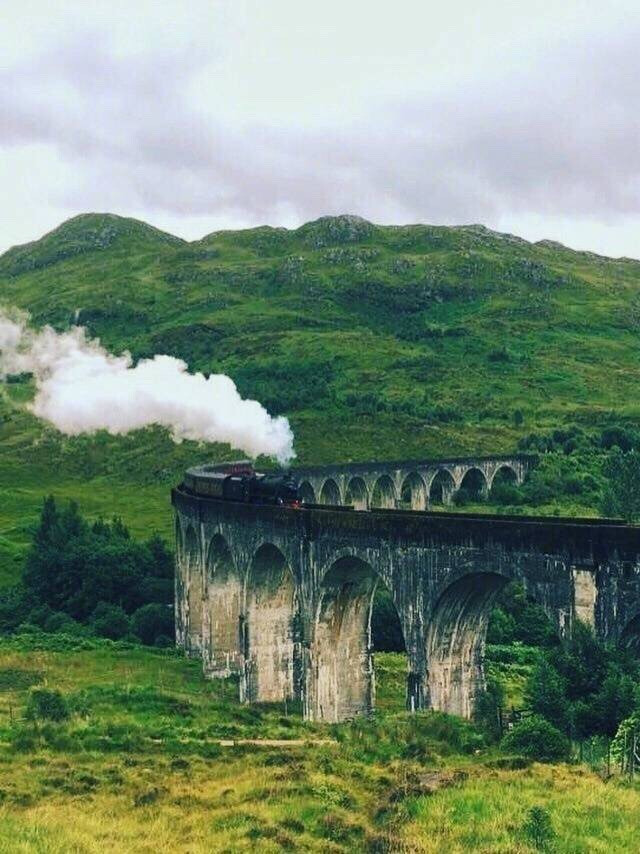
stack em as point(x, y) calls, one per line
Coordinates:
point(152, 622)
point(110, 621)
point(501, 355)
point(502, 627)
point(487, 709)
point(506, 493)
point(535, 737)
point(46, 704)
point(627, 736)
point(618, 437)
point(621, 497)
point(537, 828)
point(546, 694)
point(57, 622)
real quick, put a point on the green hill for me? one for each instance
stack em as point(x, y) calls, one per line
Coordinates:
point(375, 341)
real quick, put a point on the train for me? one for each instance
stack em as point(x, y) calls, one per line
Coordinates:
point(239, 481)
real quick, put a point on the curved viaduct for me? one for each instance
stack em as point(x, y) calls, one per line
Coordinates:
point(282, 596)
point(414, 484)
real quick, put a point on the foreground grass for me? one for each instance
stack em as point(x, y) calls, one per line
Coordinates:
point(489, 813)
point(139, 768)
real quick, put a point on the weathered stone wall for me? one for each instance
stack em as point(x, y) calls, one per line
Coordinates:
point(286, 594)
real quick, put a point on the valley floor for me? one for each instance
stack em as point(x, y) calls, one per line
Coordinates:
point(138, 767)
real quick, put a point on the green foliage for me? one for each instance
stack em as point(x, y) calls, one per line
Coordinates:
point(538, 829)
point(421, 737)
point(153, 622)
point(538, 739)
point(546, 694)
point(517, 619)
point(47, 705)
point(626, 738)
point(79, 569)
point(502, 627)
point(513, 653)
point(110, 621)
point(487, 709)
point(621, 498)
point(584, 687)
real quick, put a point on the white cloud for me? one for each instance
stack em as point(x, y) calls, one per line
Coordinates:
point(204, 115)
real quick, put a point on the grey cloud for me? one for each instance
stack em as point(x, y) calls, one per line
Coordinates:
point(560, 138)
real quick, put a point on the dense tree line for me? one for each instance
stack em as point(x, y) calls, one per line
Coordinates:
point(81, 577)
point(578, 688)
point(584, 687)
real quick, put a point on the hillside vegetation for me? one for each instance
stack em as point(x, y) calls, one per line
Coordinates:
point(376, 342)
point(110, 746)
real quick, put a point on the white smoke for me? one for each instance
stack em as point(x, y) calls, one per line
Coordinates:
point(81, 388)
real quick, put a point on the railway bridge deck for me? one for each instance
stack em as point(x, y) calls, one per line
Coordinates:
point(282, 596)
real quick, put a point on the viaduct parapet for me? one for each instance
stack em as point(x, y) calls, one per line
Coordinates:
point(282, 597)
point(413, 484)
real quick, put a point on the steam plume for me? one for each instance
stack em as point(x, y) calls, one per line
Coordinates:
point(81, 388)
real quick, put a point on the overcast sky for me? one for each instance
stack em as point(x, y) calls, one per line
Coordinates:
point(196, 115)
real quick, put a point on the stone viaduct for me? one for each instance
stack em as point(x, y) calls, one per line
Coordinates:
point(413, 484)
point(282, 596)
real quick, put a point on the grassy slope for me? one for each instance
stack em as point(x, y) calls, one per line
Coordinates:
point(376, 341)
point(138, 769)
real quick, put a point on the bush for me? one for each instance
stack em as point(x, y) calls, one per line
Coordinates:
point(517, 619)
point(152, 622)
point(487, 710)
point(46, 704)
point(110, 621)
point(546, 694)
point(538, 828)
point(536, 738)
point(621, 497)
point(507, 494)
point(59, 623)
point(618, 437)
point(502, 627)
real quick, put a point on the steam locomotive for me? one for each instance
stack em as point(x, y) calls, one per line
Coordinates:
point(238, 481)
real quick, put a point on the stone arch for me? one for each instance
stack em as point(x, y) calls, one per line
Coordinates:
point(307, 493)
point(193, 576)
point(343, 682)
point(221, 647)
point(330, 492)
point(441, 488)
point(357, 494)
point(456, 641)
point(504, 474)
point(474, 484)
point(269, 629)
point(413, 492)
point(383, 493)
